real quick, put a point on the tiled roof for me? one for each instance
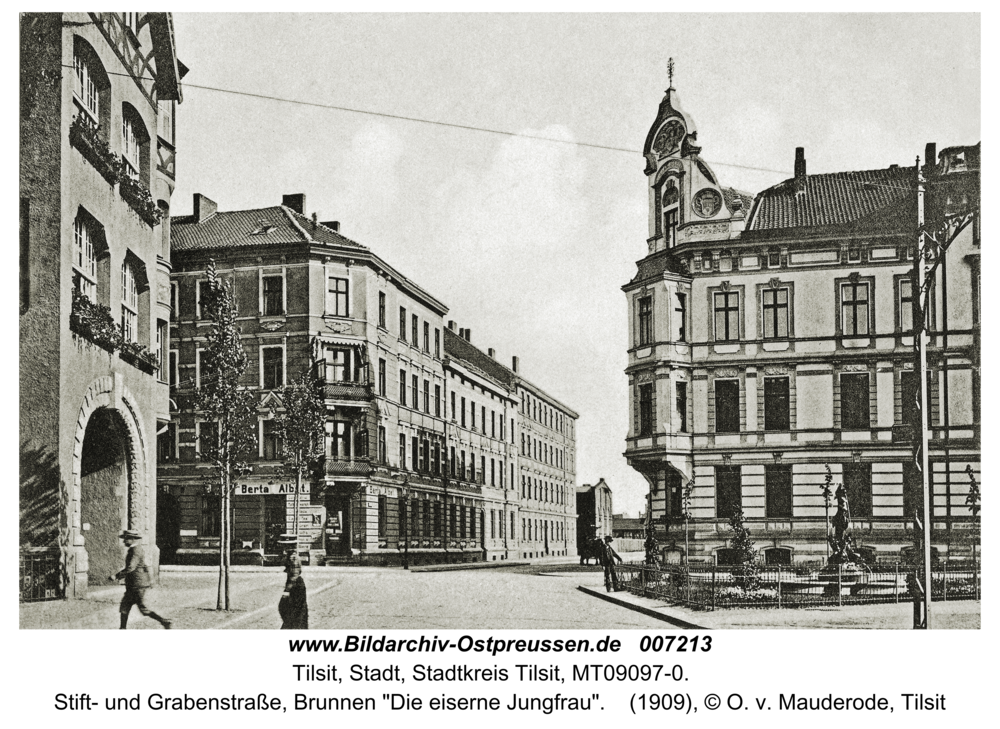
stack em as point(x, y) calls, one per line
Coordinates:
point(836, 199)
point(455, 346)
point(248, 228)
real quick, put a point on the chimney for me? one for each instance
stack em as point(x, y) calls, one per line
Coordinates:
point(514, 363)
point(203, 208)
point(468, 335)
point(451, 324)
point(333, 225)
point(930, 153)
point(492, 353)
point(296, 202)
point(800, 162)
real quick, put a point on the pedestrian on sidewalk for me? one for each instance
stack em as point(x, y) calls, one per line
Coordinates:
point(293, 607)
point(608, 557)
point(137, 582)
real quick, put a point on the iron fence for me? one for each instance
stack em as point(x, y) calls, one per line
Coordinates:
point(40, 576)
point(709, 587)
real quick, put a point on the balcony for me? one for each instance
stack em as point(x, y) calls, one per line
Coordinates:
point(355, 467)
point(347, 391)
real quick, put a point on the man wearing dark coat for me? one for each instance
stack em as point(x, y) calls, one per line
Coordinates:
point(608, 557)
point(137, 582)
point(292, 607)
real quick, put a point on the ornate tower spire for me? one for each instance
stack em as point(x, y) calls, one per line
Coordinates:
point(670, 72)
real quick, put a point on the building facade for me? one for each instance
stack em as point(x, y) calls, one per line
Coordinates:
point(771, 344)
point(594, 516)
point(98, 98)
point(420, 459)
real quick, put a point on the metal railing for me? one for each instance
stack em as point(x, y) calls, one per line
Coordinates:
point(710, 587)
point(40, 576)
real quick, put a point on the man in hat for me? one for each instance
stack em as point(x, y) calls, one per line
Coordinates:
point(608, 557)
point(292, 607)
point(137, 580)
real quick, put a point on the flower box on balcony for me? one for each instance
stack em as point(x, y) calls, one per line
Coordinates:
point(86, 138)
point(139, 357)
point(94, 323)
point(137, 196)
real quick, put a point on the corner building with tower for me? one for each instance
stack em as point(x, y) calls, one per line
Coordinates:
point(771, 339)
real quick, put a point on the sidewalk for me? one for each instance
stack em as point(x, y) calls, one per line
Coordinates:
point(959, 615)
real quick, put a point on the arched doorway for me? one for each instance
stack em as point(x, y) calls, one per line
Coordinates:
point(105, 493)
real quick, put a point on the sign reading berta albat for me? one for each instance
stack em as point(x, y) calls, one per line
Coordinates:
point(265, 489)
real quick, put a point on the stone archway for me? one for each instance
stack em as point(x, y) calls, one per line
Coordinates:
point(109, 482)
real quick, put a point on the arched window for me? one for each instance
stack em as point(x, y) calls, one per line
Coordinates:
point(135, 145)
point(670, 208)
point(91, 86)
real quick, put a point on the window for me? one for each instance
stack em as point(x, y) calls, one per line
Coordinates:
point(727, 316)
point(414, 328)
point(427, 397)
point(775, 307)
point(270, 442)
point(680, 317)
point(472, 467)
point(670, 227)
point(338, 365)
point(776, 403)
point(174, 381)
point(427, 337)
point(855, 401)
point(482, 418)
point(437, 343)
point(272, 367)
point(166, 444)
point(727, 406)
point(414, 453)
point(493, 423)
point(133, 140)
point(162, 349)
point(87, 85)
point(452, 463)
point(382, 445)
point(463, 413)
point(436, 463)
point(645, 320)
point(130, 302)
point(854, 308)
point(681, 390)
point(208, 438)
point(858, 482)
point(200, 292)
point(85, 257)
point(340, 440)
point(472, 415)
point(453, 406)
point(402, 450)
point(778, 487)
point(482, 469)
point(381, 377)
point(415, 392)
point(773, 257)
point(402, 323)
point(646, 409)
point(211, 516)
point(336, 297)
point(402, 387)
point(273, 296)
point(437, 400)
point(728, 491)
point(381, 309)
point(905, 305)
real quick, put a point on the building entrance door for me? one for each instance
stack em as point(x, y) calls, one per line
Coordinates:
point(275, 522)
point(336, 531)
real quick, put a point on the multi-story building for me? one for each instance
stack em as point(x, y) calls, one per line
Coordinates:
point(98, 96)
point(594, 516)
point(420, 455)
point(771, 339)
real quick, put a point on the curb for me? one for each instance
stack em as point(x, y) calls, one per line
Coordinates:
point(466, 566)
point(665, 617)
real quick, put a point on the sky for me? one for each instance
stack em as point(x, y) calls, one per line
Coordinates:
point(529, 241)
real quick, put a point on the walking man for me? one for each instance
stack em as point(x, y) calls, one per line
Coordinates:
point(137, 581)
point(608, 557)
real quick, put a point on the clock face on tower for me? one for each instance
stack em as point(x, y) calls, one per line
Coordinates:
point(668, 138)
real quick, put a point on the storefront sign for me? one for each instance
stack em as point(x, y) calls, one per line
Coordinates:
point(267, 489)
